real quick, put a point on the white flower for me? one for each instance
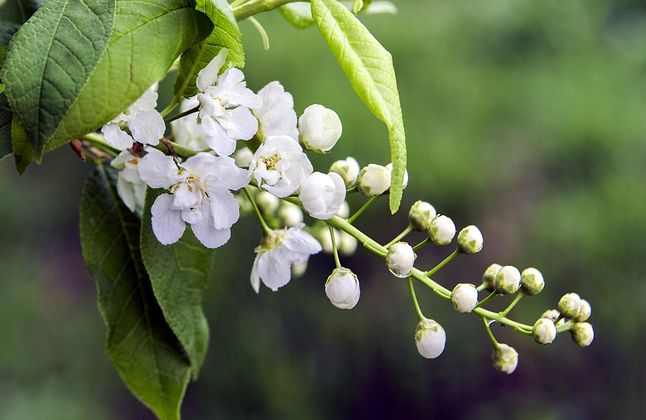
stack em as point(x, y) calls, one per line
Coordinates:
point(441, 230)
point(322, 195)
point(390, 168)
point(276, 112)
point(570, 305)
point(421, 215)
point(583, 334)
point(532, 281)
point(464, 297)
point(430, 338)
point(505, 358)
point(199, 195)
point(320, 128)
point(348, 169)
point(508, 280)
point(544, 331)
point(489, 276)
point(290, 214)
point(400, 259)
point(224, 106)
point(243, 157)
point(585, 311)
point(470, 240)
point(342, 288)
point(146, 125)
point(373, 180)
point(278, 252)
point(279, 166)
point(186, 130)
point(130, 187)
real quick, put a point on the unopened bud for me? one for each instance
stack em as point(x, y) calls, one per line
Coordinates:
point(505, 358)
point(430, 338)
point(348, 169)
point(299, 269)
point(243, 157)
point(344, 210)
point(464, 297)
point(290, 214)
point(373, 180)
point(551, 314)
point(342, 288)
point(508, 280)
point(544, 331)
point(570, 304)
point(532, 281)
point(583, 334)
point(489, 276)
point(390, 168)
point(421, 215)
point(441, 230)
point(325, 239)
point(400, 259)
point(347, 244)
point(585, 311)
point(320, 128)
point(267, 202)
point(470, 240)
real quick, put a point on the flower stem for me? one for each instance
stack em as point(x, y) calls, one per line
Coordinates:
point(490, 333)
point(443, 263)
point(254, 7)
point(401, 236)
point(264, 225)
point(364, 208)
point(513, 303)
point(334, 248)
point(182, 114)
point(481, 287)
point(421, 244)
point(486, 299)
point(414, 296)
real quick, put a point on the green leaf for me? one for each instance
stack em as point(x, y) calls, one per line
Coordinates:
point(178, 274)
point(77, 64)
point(357, 6)
point(5, 127)
point(369, 67)
point(225, 35)
point(18, 11)
point(299, 14)
point(22, 151)
point(143, 348)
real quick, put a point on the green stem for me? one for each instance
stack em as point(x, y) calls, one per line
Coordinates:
point(421, 244)
point(443, 263)
point(487, 299)
point(481, 287)
point(399, 237)
point(256, 210)
point(490, 333)
point(100, 143)
point(513, 303)
point(182, 114)
point(254, 7)
point(414, 296)
point(334, 248)
point(364, 208)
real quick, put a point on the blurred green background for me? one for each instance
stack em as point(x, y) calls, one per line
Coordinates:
point(524, 118)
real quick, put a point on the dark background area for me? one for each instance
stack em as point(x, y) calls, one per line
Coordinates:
point(524, 118)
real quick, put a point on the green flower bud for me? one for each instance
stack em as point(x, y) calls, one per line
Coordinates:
point(532, 281)
point(267, 202)
point(348, 169)
point(489, 276)
point(470, 240)
point(441, 230)
point(421, 215)
point(505, 358)
point(430, 338)
point(585, 310)
point(551, 314)
point(508, 280)
point(464, 297)
point(583, 334)
point(544, 331)
point(570, 304)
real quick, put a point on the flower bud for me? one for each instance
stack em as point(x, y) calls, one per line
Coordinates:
point(532, 281)
point(441, 230)
point(464, 297)
point(243, 157)
point(551, 314)
point(347, 244)
point(299, 269)
point(267, 202)
point(373, 180)
point(489, 276)
point(325, 239)
point(320, 128)
point(585, 310)
point(505, 358)
point(348, 169)
point(430, 338)
point(342, 288)
point(290, 214)
point(508, 280)
point(400, 259)
point(570, 304)
point(344, 210)
point(390, 169)
point(544, 331)
point(421, 215)
point(322, 195)
point(470, 240)
point(583, 334)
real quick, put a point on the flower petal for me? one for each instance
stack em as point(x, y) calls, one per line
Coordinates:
point(224, 208)
point(168, 225)
point(209, 74)
point(239, 123)
point(147, 127)
point(255, 277)
point(158, 170)
point(208, 234)
point(116, 136)
point(274, 271)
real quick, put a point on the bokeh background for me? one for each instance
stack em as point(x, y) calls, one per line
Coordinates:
point(524, 118)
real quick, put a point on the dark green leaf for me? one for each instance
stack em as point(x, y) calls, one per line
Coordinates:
point(225, 35)
point(77, 64)
point(22, 151)
point(143, 348)
point(179, 274)
point(370, 69)
point(18, 11)
point(5, 127)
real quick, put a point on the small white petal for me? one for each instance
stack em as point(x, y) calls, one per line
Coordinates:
point(239, 123)
point(274, 270)
point(255, 277)
point(147, 127)
point(168, 225)
point(209, 74)
point(225, 208)
point(158, 170)
point(116, 136)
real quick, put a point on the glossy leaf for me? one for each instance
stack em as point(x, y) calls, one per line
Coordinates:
point(143, 348)
point(178, 274)
point(369, 67)
point(77, 64)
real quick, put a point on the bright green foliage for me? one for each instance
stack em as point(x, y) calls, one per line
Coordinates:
point(178, 274)
point(299, 14)
point(370, 69)
point(140, 343)
point(225, 35)
point(5, 127)
point(76, 65)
